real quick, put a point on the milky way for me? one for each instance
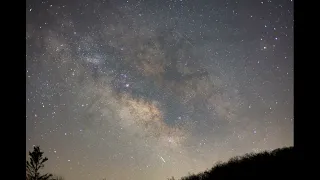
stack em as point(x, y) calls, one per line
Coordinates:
point(154, 89)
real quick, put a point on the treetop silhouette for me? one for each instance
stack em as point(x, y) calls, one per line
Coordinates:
point(279, 163)
point(35, 165)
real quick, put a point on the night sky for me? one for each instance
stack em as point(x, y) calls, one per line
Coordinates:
point(145, 90)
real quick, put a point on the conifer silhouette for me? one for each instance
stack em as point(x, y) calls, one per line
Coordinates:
point(36, 163)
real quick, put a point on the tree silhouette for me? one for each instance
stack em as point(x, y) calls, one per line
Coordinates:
point(279, 163)
point(36, 163)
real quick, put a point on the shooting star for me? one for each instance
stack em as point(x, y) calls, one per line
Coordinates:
point(162, 159)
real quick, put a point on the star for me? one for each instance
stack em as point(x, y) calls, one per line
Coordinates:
point(136, 89)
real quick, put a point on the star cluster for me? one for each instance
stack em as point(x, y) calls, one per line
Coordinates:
point(154, 89)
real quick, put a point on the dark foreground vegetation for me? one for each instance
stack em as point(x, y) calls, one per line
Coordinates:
point(35, 164)
point(279, 163)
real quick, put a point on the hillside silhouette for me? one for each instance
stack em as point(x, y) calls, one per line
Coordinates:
point(279, 163)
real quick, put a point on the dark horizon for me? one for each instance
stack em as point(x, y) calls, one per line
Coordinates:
point(279, 162)
point(159, 88)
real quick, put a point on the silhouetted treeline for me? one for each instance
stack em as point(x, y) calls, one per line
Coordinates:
point(279, 163)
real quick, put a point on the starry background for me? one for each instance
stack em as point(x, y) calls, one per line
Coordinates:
point(153, 89)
